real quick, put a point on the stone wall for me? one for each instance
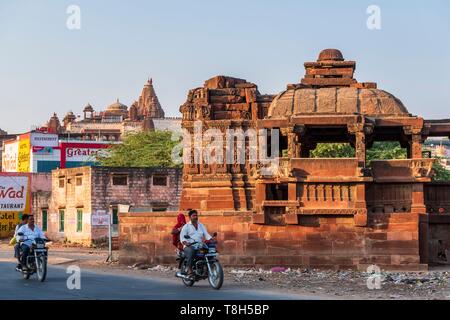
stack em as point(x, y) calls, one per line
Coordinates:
point(140, 190)
point(390, 241)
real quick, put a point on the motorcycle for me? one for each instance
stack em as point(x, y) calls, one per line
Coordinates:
point(205, 265)
point(36, 261)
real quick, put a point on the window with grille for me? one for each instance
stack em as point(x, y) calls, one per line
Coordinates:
point(79, 220)
point(44, 220)
point(61, 220)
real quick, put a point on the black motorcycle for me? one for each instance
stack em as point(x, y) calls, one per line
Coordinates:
point(36, 261)
point(205, 265)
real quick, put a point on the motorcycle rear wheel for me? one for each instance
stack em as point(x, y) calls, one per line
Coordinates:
point(215, 278)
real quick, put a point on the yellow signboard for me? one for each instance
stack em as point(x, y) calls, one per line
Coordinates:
point(23, 160)
point(8, 222)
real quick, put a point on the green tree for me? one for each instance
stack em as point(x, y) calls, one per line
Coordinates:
point(333, 150)
point(386, 151)
point(440, 172)
point(143, 149)
point(379, 151)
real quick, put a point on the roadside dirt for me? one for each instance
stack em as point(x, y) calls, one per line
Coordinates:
point(431, 285)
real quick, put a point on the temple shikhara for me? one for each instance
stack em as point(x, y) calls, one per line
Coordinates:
point(146, 113)
point(316, 212)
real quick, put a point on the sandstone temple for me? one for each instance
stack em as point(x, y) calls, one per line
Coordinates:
point(316, 212)
point(146, 113)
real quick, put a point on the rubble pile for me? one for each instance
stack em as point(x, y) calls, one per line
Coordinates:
point(349, 284)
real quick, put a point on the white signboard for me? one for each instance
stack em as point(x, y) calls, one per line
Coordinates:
point(100, 218)
point(10, 157)
point(13, 193)
point(81, 154)
point(44, 140)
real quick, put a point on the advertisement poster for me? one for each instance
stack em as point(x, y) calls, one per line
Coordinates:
point(23, 161)
point(10, 156)
point(8, 222)
point(100, 218)
point(44, 140)
point(14, 200)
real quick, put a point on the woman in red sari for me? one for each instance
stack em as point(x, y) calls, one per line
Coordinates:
point(181, 221)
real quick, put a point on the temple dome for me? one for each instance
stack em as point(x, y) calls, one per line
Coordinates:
point(117, 106)
point(335, 101)
point(330, 55)
point(88, 108)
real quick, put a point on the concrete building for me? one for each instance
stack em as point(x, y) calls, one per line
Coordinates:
point(439, 148)
point(42, 152)
point(84, 198)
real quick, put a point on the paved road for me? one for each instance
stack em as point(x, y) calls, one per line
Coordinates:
point(105, 284)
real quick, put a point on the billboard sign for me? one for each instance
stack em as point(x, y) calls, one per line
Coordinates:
point(24, 153)
point(10, 156)
point(100, 218)
point(81, 154)
point(8, 222)
point(14, 193)
point(44, 140)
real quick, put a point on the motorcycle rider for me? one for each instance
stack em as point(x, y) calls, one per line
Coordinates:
point(17, 245)
point(30, 232)
point(196, 232)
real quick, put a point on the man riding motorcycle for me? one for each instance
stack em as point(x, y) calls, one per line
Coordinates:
point(30, 232)
point(196, 232)
point(17, 245)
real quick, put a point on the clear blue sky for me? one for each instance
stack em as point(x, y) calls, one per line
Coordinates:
point(44, 67)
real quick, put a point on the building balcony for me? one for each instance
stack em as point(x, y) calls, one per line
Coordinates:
point(407, 170)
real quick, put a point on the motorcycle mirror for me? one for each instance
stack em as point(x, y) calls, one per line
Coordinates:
point(215, 234)
point(20, 234)
point(187, 237)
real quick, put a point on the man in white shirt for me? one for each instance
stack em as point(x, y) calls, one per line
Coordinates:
point(29, 232)
point(197, 233)
point(17, 245)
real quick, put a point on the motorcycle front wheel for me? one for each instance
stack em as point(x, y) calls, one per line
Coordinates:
point(41, 268)
point(215, 277)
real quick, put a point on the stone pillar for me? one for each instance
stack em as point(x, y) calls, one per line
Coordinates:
point(416, 146)
point(415, 141)
point(292, 191)
point(359, 130)
point(296, 141)
point(260, 196)
point(418, 207)
point(361, 206)
point(418, 198)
